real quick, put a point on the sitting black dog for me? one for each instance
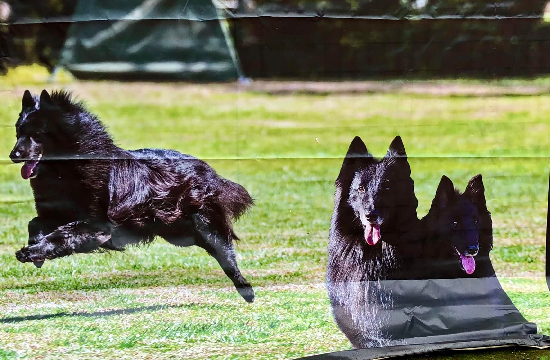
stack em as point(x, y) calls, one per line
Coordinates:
point(459, 234)
point(92, 195)
point(373, 224)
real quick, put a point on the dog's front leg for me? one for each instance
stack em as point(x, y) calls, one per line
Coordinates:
point(75, 237)
point(38, 228)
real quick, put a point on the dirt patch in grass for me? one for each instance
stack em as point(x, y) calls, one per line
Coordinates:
point(17, 297)
point(518, 284)
point(120, 92)
point(402, 87)
point(508, 241)
point(162, 93)
point(507, 270)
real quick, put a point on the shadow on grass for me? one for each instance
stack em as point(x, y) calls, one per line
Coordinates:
point(17, 319)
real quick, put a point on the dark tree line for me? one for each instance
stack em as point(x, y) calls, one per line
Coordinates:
point(395, 38)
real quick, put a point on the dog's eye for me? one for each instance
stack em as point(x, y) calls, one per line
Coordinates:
point(361, 189)
point(455, 224)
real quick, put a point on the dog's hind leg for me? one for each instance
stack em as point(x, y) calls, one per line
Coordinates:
point(208, 238)
point(75, 237)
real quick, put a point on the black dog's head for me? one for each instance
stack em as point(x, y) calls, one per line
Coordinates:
point(27, 149)
point(380, 192)
point(42, 129)
point(458, 219)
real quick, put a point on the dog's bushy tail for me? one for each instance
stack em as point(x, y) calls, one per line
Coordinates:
point(234, 199)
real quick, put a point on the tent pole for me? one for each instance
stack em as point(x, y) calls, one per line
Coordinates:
point(220, 9)
point(53, 75)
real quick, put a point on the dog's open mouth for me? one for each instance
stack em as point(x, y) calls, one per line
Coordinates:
point(372, 233)
point(28, 170)
point(468, 262)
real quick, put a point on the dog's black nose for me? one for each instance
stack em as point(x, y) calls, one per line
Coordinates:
point(16, 156)
point(472, 250)
point(371, 216)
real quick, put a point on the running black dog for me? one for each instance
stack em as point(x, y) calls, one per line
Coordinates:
point(92, 195)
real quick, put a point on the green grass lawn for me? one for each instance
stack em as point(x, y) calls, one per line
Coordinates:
point(163, 302)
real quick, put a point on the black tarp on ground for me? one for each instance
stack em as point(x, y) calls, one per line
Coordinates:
point(441, 314)
point(531, 341)
point(405, 317)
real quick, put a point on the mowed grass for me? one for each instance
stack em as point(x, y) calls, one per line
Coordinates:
point(162, 302)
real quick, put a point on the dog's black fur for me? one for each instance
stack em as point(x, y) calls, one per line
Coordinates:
point(92, 195)
point(369, 193)
point(459, 234)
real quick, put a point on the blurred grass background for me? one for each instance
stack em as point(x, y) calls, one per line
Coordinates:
point(163, 302)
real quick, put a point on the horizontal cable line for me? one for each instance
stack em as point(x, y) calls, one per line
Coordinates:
point(312, 15)
point(6, 161)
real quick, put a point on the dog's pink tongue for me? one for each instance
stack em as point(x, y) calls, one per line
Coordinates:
point(27, 168)
point(468, 263)
point(372, 234)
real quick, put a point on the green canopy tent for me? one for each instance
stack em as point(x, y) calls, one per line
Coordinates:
point(150, 40)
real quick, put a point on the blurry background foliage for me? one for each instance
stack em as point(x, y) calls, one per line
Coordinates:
point(337, 39)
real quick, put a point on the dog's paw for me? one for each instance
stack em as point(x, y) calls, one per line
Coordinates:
point(247, 293)
point(21, 255)
point(26, 255)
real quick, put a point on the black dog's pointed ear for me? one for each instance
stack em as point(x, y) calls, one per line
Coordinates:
point(28, 100)
point(445, 193)
point(46, 100)
point(397, 148)
point(475, 191)
point(357, 148)
point(356, 155)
